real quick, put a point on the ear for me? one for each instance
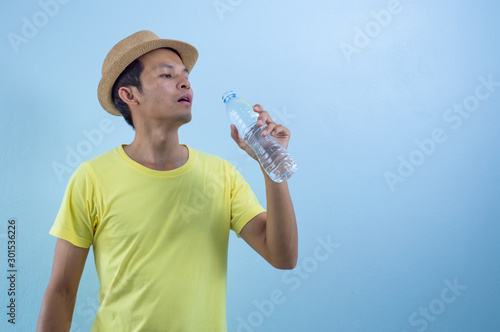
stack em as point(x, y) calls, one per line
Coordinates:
point(129, 95)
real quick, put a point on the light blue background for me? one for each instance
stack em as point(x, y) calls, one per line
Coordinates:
point(352, 118)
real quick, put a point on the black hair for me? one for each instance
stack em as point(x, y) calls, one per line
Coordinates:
point(130, 76)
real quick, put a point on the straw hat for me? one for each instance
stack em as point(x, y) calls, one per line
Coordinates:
point(129, 49)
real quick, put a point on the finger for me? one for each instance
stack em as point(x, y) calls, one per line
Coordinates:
point(261, 120)
point(280, 131)
point(234, 133)
point(269, 129)
point(264, 118)
point(258, 108)
point(236, 137)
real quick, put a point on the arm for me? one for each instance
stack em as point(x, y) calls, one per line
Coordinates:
point(59, 299)
point(272, 234)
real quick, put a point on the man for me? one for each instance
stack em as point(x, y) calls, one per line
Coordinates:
point(158, 213)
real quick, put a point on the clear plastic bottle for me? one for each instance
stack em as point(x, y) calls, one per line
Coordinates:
point(273, 157)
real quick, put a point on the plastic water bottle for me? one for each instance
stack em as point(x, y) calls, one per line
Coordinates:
point(273, 157)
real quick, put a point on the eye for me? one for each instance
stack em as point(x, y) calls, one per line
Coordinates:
point(166, 75)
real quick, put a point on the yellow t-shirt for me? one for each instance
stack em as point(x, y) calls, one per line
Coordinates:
point(160, 238)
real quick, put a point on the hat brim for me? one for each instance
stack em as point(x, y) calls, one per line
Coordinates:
point(188, 53)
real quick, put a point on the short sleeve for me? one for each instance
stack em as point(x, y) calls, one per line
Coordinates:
point(244, 203)
point(77, 215)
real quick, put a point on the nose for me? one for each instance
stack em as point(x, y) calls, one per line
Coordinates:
point(184, 84)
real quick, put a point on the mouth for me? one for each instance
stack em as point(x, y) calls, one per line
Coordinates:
point(185, 99)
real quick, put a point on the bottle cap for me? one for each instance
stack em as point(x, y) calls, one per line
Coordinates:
point(228, 95)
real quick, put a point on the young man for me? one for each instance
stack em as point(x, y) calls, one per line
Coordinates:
point(158, 213)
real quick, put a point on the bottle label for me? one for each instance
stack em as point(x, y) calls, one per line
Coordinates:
point(246, 101)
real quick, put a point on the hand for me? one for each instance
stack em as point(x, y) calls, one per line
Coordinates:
point(279, 132)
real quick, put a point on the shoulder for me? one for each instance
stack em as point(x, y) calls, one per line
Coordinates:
point(104, 157)
point(106, 160)
point(215, 167)
point(209, 158)
point(87, 169)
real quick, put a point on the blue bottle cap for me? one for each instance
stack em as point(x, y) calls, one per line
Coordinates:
point(228, 95)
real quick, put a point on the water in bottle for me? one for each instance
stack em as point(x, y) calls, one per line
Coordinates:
point(273, 157)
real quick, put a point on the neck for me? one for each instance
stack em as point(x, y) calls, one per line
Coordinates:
point(157, 148)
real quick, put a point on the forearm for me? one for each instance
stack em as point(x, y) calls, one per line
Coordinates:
point(281, 225)
point(56, 312)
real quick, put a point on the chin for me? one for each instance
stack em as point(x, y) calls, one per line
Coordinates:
point(186, 118)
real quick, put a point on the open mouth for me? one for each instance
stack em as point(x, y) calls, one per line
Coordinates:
point(185, 99)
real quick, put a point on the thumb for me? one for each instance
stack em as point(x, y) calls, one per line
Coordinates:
point(236, 137)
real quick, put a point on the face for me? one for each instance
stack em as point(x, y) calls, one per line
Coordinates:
point(166, 91)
